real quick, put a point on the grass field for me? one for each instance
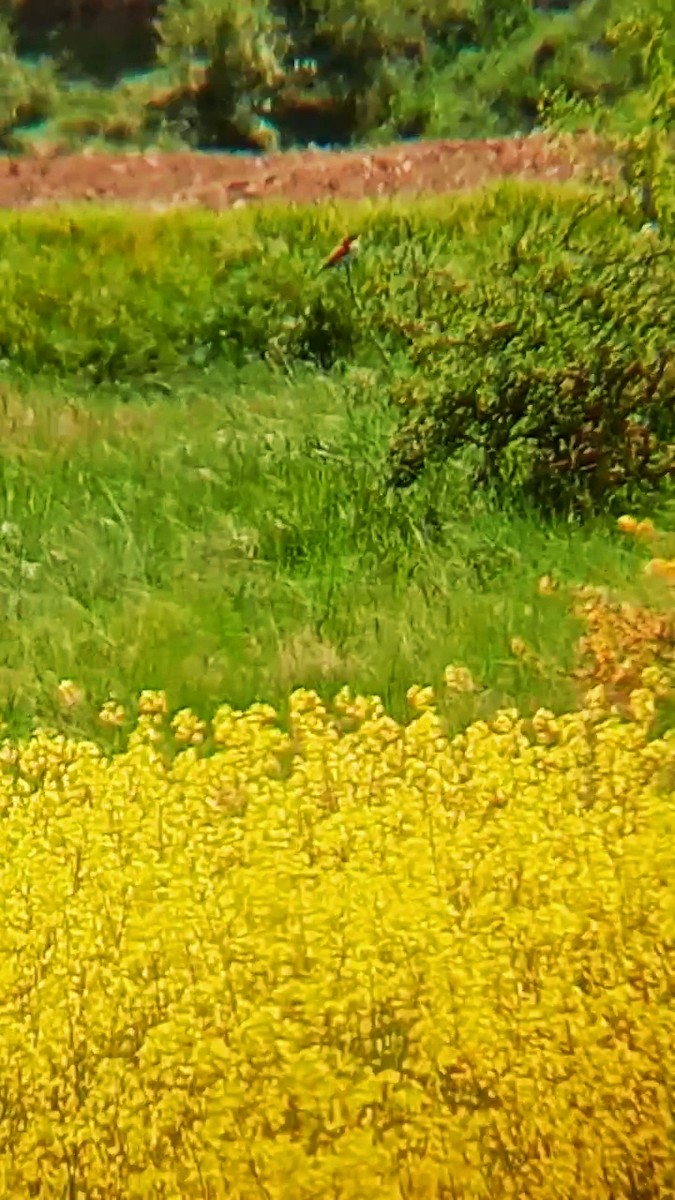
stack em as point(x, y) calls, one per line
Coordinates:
point(230, 535)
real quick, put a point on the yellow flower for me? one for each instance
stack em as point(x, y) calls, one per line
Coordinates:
point(458, 679)
point(178, 880)
point(546, 586)
point(661, 568)
point(188, 728)
point(545, 726)
point(498, 799)
point(420, 698)
point(358, 708)
point(152, 704)
point(518, 647)
point(642, 705)
point(627, 524)
point(645, 529)
point(656, 680)
point(112, 714)
point(597, 701)
point(69, 695)
point(262, 714)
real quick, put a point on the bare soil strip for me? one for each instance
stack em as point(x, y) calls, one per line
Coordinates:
point(301, 177)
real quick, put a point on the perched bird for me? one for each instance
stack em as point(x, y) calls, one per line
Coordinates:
point(342, 253)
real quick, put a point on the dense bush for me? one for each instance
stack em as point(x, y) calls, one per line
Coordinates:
point(561, 374)
point(27, 91)
point(558, 370)
point(352, 959)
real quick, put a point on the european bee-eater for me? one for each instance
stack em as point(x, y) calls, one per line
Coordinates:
point(341, 253)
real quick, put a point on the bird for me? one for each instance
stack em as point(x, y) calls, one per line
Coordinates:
point(341, 253)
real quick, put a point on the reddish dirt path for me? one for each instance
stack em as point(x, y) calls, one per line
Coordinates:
point(308, 176)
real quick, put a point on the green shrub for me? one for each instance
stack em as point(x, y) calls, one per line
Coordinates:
point(27, 91)
point(557, 372)
point(338, 73)
point(566, 387)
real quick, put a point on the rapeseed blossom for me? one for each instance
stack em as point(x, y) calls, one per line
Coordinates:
point(350, 958)
point(69, 695)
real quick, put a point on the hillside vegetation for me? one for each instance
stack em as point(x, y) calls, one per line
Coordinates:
point(252, 74)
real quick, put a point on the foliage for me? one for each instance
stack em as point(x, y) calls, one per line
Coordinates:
point(622, 641)
point(116, 294)
point(358, 956)
point(557, 371)
point(256, 74)
point(528, 329)
point(27, 91)
point(562, 378)
point(174, 523)
point(244, 47)
point(639, 134)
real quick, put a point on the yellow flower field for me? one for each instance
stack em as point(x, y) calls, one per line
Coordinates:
point(353, 959)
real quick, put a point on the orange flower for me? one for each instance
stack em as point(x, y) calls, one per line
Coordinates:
point(645, 529)
point(661, 568)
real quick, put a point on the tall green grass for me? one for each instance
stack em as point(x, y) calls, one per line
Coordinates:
point(233, 540)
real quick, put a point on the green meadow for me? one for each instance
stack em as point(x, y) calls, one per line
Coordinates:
point(196, 458)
